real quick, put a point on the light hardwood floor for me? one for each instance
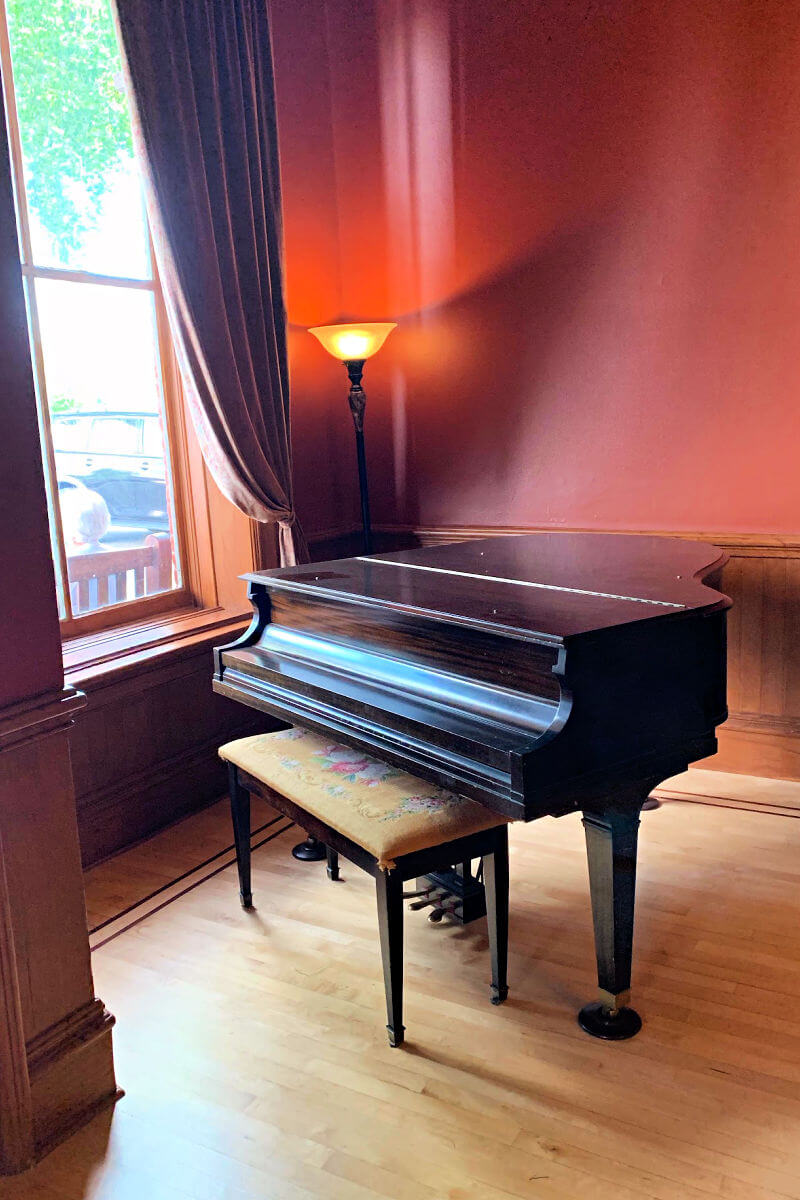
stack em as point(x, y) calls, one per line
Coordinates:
point(253, 1054)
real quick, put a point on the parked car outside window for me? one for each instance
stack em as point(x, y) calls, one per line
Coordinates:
point(119, 456)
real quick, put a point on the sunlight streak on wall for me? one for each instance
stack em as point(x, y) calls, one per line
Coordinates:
point(417, 132)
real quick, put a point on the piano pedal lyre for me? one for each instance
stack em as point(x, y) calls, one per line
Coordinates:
point(454, 893)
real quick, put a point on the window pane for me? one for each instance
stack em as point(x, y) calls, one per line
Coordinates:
point(103, 382)
point(115, 435)
point(83, 189)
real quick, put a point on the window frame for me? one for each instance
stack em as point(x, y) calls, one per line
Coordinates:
point(196, 588)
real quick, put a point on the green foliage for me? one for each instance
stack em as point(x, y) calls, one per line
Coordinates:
point(72, 108)
point(63, 403)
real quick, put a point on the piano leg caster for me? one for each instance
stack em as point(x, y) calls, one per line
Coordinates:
point(310, 850)
point(613, 1025)
point(396, 1037)
point(499, 994)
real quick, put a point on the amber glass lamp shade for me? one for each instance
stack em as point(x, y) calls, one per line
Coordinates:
point(354, 343)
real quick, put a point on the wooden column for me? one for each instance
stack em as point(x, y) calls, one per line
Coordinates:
point(56, 1066)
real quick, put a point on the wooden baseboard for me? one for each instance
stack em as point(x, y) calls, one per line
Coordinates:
point(71, 1072)
point(758, 750)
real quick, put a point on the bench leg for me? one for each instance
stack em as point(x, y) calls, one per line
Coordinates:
point(389, 889)
point(333, 863)
point(495, 881)
point(240, 812)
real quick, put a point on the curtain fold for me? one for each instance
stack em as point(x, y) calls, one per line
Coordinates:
point(202, 91)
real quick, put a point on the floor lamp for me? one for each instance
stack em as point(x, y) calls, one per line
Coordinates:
point(352, 345)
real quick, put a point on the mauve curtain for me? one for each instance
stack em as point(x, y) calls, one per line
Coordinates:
point(202, 92)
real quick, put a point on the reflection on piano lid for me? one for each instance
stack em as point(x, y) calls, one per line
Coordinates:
point(537, 673)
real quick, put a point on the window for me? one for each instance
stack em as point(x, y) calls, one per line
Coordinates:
point(102, 361)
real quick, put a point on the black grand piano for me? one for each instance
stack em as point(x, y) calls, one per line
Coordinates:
point(539, 674)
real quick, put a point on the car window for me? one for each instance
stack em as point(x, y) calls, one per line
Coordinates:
point(115, 435)
point(153, 445)
point(70, 434)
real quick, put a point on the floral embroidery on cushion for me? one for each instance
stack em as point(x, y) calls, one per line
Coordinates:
point(354, 766)
point(435, 803)
point(290, 735)
point(290, 764)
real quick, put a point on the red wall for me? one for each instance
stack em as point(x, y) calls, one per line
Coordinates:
point(586, 218)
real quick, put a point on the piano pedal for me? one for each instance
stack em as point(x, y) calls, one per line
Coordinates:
point(466, 896)
point(451, 908)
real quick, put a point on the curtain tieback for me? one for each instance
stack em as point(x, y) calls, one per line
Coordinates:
point(292, 544)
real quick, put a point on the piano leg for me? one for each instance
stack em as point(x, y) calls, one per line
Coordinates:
point(240, 812)
point(389, 888)
point(611, 838)
point(495, 882)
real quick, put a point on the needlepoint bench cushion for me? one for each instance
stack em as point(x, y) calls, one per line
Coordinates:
point(383, 809)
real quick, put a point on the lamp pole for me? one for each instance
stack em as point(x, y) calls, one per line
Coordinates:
point(353, 345)
point(358, 403)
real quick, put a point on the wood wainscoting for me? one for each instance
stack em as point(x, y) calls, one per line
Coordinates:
point(762, 577)
point(144, 751)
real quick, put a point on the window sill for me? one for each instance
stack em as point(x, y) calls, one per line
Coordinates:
point(113, 653)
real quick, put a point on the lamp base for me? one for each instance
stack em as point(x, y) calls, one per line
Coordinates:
point(310, 850)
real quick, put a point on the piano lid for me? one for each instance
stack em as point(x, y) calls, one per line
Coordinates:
point(543, 585)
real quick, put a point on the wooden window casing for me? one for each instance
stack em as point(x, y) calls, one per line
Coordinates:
point(189, 529)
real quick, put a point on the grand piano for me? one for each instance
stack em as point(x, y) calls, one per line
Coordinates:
point(539, 674)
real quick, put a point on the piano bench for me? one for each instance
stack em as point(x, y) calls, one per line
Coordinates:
point(391, 824)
